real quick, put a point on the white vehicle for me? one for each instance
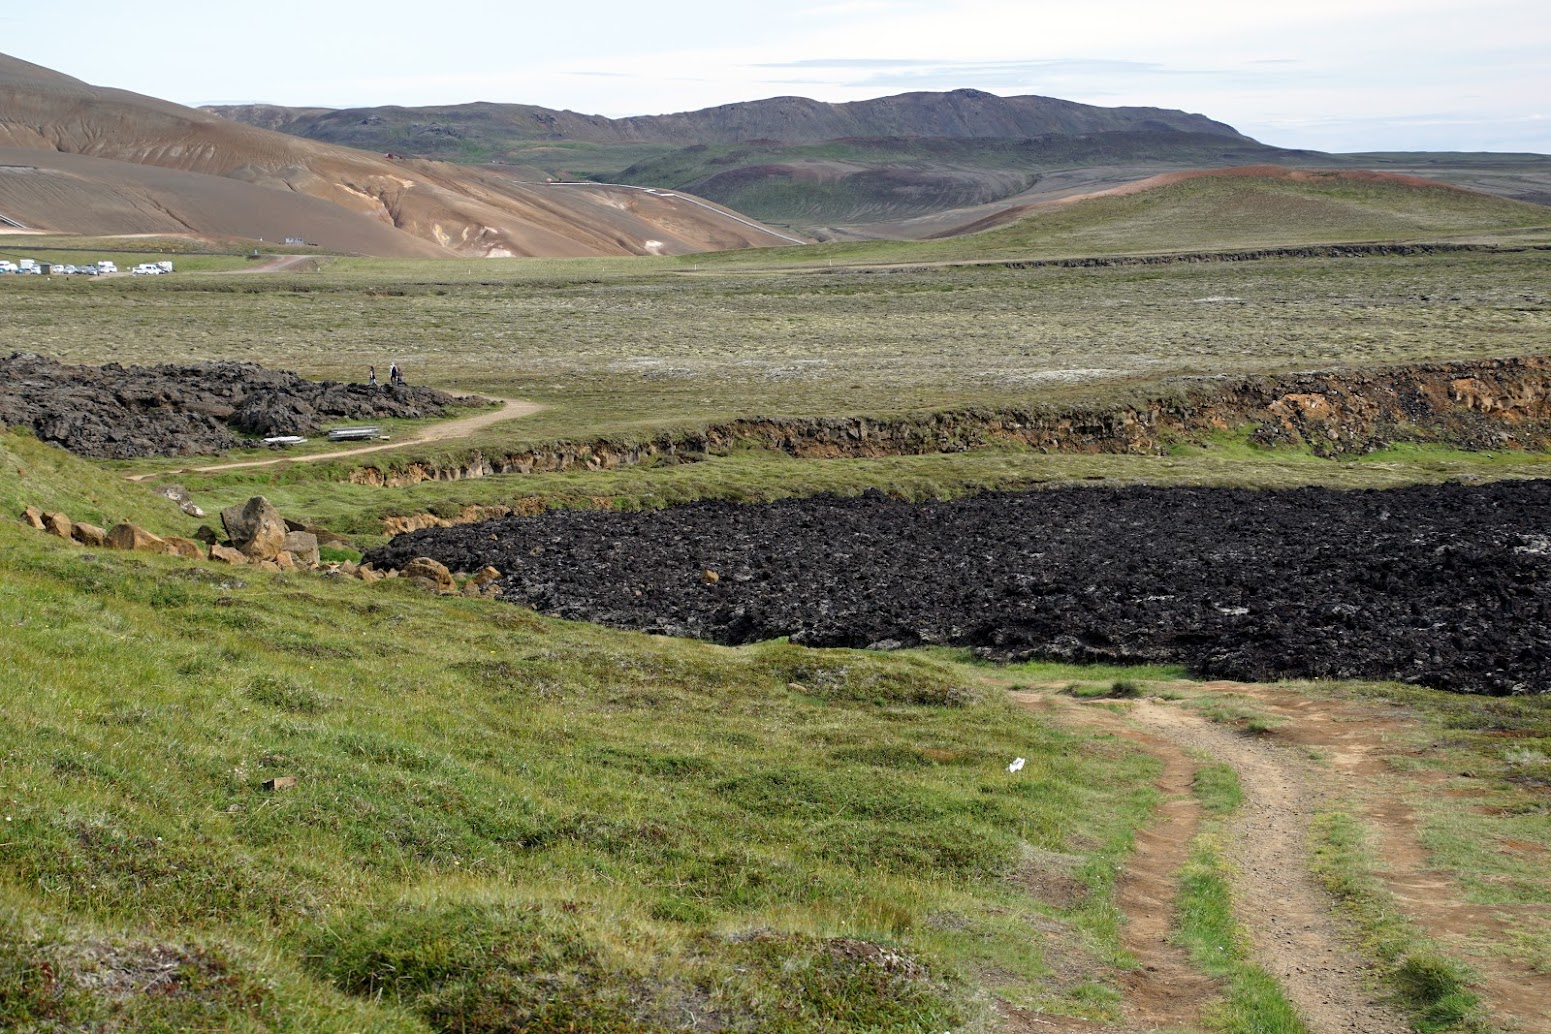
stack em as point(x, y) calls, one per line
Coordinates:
point(27, 265)
point(7, 267)
point(105, 266)
point(146, 269)
point(164, 266)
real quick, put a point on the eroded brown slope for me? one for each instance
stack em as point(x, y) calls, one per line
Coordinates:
point(457, 210)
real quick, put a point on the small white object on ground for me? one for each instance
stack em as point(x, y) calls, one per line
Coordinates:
point(1017, 763)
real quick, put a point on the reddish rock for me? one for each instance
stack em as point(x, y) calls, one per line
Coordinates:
point(89, 535)
point(133, 537)
point(177, 545)
point(227, 555)
point(57, 524)
point(485, 576)
point(431, 573)
point(33, 518)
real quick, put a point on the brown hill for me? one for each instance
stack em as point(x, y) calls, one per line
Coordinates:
point(70, 147)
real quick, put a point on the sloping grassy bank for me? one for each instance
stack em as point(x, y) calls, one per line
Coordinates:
point(501, 822)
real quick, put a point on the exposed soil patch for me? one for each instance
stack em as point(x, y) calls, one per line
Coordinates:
point(1447, 586)
point(120, 412)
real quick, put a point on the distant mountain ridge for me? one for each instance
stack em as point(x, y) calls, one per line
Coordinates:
point(811, 165)
point(957, 115)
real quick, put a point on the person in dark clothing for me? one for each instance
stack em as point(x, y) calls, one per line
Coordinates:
point(394, 376)
point(371, 377)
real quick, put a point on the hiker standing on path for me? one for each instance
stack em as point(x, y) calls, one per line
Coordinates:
point(394, 376)
point(371, 377)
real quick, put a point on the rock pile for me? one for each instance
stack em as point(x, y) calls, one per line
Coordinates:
point(257, 535)
point(121, 412)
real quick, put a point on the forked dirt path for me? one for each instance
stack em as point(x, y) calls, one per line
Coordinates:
point(1294, 935)
point(511, 409)
point(1293, 931)
point(1359, 741)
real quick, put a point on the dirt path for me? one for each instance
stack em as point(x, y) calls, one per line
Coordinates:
point(1294, 935)
point(1360, 741)
point(1166, 990)
point(511, 409)
point(277, 264)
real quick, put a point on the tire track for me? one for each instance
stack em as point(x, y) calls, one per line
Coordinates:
point(1294, 934)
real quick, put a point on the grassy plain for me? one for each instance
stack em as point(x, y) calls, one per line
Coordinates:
point(624, 350)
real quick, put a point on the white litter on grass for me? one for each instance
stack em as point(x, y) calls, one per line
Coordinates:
point(1017, 764)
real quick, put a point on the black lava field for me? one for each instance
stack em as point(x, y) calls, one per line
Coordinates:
point(119, 412)
point(1447, 586)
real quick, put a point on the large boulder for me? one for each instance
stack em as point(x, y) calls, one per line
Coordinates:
point(33, 518)
point(133, 537)
point(255, 527)
point(430, 573)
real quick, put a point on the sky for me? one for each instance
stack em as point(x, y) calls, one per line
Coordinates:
point(1333, 75)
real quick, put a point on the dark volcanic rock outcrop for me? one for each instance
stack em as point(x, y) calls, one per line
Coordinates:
point(118, 412)
point(1447, 586)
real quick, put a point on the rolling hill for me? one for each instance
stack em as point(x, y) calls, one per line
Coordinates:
point(1218, 210)
point(84, 159)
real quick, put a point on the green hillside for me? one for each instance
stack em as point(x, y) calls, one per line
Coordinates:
point(1201, 213)
point(503, 822)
